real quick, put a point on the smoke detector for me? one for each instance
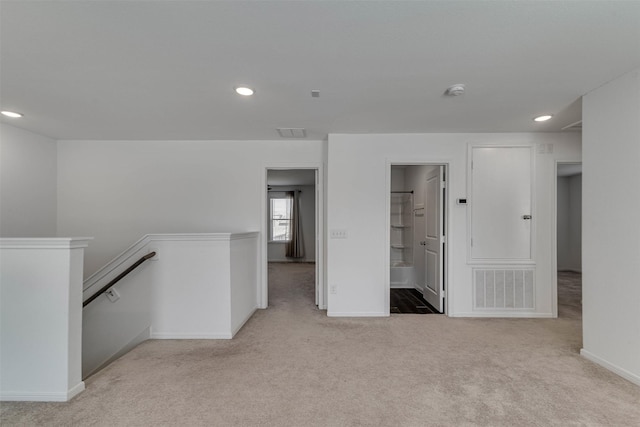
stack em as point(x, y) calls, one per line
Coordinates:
point(455, 90)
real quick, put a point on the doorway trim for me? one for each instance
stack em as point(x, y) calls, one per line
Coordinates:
point(320, 273)
point(449, 292)
point(554, 234)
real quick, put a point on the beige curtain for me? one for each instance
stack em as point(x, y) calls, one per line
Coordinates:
point(295, 247)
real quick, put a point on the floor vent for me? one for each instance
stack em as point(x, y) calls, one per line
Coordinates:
point(511, 289)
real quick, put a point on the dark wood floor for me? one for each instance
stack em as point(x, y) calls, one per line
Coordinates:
point(409, 301)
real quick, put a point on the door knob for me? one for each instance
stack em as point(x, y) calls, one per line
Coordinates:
point(423, 243)
point(526, 216)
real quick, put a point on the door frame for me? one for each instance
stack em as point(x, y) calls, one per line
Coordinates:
point(447, 205)
point(554, 234)
point(263, 262)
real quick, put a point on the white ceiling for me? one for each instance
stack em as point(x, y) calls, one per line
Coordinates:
point(166, 69)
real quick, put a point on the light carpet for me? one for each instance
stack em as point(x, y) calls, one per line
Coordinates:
point(291, 365)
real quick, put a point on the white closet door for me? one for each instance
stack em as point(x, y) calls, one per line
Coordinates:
point(501, 214)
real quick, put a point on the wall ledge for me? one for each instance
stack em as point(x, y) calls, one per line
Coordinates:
point(147, 239)
point(44, 242)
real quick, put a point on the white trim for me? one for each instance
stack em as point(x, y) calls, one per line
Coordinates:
point(44, 243)
point(132, 250)
point(505, 314)
point(245, 320)
point(43, 397)
point(187, 336)
point(532, 237)
point(263, 292)
point(115, 263)
point(610, 366)
point(448, 164)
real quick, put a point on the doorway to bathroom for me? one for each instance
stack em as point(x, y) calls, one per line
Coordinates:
point(417, 238)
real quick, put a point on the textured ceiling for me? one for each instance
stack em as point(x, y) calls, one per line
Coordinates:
point(166, 69)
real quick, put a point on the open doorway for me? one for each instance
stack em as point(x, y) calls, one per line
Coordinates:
point(569, 240)
point(417, 243)
point(292, 238)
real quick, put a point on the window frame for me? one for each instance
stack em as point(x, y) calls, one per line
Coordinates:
point(277, 195)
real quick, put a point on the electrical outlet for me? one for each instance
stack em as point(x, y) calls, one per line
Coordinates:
point(112, 294)
point(338, 234)
point(333, 289)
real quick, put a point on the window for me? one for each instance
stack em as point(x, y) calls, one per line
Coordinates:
point(280, 218)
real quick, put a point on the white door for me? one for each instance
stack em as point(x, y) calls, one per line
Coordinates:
point(433, 289)
point(501, 203)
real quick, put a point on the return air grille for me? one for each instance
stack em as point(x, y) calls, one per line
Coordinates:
point(292, 132)
point(511, 289)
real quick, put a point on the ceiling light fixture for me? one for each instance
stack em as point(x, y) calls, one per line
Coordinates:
point(12, 114)
point(542, 118)
point(244, 90)
point(455, 90)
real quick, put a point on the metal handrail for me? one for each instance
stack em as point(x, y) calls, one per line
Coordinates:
point(106, 287)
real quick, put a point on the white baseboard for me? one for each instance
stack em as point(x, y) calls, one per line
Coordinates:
point(237, 328)
point(79, 388)
point(185, 336)
point(42, 397)
point(504, 314)
point(610, 366)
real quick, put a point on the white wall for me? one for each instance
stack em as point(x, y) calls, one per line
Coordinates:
point(119, 191)
point(570, 223)
point(198, 286)
point(611, 231)
point(358, 181)
point(277, 250)
point(27, 183)
point(40, 318)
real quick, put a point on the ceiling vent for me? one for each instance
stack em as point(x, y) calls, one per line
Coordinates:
point(577, 126)
point(292, 132)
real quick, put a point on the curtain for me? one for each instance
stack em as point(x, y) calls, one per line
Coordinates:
point(295, 247)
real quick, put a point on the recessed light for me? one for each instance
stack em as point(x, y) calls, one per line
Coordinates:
point(12, 114)
point(244, 90)
point(542, 118)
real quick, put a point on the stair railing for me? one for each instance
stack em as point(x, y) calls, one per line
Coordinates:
point(106, 287)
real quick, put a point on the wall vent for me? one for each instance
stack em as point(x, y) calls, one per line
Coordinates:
point(504, 289)
point(577, 126)
point(292, 132)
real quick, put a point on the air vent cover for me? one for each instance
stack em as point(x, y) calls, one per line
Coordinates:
point(292, 132)
point(504, 289)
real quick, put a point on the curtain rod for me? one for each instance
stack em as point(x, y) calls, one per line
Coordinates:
point(411, 192)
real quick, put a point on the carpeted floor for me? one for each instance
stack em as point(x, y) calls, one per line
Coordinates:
point(569, 295)
point(291, 365)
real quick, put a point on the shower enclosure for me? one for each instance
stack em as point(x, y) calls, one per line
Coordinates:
point(401, 239)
